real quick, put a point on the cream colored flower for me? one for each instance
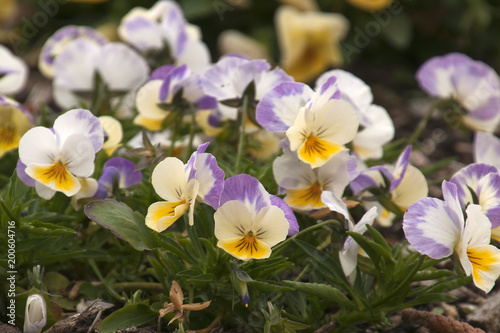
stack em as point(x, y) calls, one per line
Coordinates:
point(370, 5)
point(309, 41)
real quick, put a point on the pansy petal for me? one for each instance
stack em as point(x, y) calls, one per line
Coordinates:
point(289, 215)
point(412, 188)
point(232, 220)
point(173, 82)
point(122, 68)
point(245, 248)
point(38, 145)
point(196, 56)
point(140, 31)
point(432, 227)
point(211, 179)
point(369, 141)
point(88, 187)
point(21, 173)
point(113, 131)
point(162, 215)
point(78, 154)
point(173, 26)
point(79, 121)
point(468, 178)
point(147, 100)
point(270, 225)
point(13, 72)
point(477, 230)
point(400, 168)
point(169, 179)
point(55, 176)
point(487, 149)
point(278, 109)
point(327, 91)
point(488, 193)
point(266, 81)
point(43, 191)
point(485, 262)
point(335, 204)
point(247, 190)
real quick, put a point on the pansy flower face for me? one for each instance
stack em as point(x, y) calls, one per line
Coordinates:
point(437, 228)
point(14, 122)
point(182, 185)
point(249, 222)
point(119, 171)
point(317, 124)
point(54, 158)
point(303, 186)
point(473, 84)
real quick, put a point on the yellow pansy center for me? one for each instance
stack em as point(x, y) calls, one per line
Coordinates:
point(481, 260)
point(56, 176)
point(306, 197)
point(7, 134)
point(315, 149)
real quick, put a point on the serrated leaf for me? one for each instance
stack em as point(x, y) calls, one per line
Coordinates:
point(325, 291)
point(129, 316)
point(123, 222)
point(37, 228)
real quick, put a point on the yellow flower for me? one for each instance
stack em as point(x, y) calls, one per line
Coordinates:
point(14, 122)
point(370, 5)
point(114, 134)
point(309, 41)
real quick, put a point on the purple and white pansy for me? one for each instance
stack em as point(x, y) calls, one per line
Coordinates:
point(163, 85)
point(164, 26)
point(348, 255)
point(55, 158)
point(473, 84)
point(249, 221)
point(119, 171)
point(437, 228)
point(317, 124)
point(181, 185)
point(231, 75)
point(121, 69)
point(487, 149)
point(481, 182)
point(58, 42)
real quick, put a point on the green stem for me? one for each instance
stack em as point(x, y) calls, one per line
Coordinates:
point(282, 245)
point(423, 123)
point(103, 281)
point(147, 286)
point(241, 142)
point(7, 210)
point(192, 132)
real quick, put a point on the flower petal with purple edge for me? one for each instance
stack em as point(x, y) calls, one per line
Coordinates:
point(79, 121)
point(488, 192)
point(174, 28)
point(21, 173)
point(400, 168)
point(173, 82)
point(432, 226)
point(278, 109)
point(143, 33)
point(329, 90)
point(469, 177)
point(289, 215)
point(161, 72)
point(266, 81)
point(487, 149)
point(122, 170)
point(247, 190)
point(485, 117)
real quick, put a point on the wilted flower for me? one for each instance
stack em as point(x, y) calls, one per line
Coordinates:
point(473, 84)
point(15, 120)
point(249, 222)
point(35, 315)
point(176, 306)
point(56, 157)
point(438, 228)
point(309, 41)
point(181, 186)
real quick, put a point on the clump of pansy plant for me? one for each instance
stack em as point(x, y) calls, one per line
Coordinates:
point(232, 183)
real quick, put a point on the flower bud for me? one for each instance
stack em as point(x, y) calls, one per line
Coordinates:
point(35, 317)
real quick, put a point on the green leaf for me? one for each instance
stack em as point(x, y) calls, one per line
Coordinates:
point(37, 228)
point(374, 250)
point(431, 275)
point(123, 223)
point(428, 298)
point(129, 316)
point(268, 286)
point(325, 291)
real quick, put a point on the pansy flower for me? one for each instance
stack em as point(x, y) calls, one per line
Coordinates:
point(376, 126)
point(487, 149)
point(480, 182)
point(348, 255)
point(113, 133)
point(163, 27)
point(229, 78)
point(248, 223)
point(438, 228)
point(56, 157)
point(181, 185)
point(473, 84)
point(15, 120)
point(121, 69)
point(59, 40)
point(317, 123)
point(13, 72)
point(117, 171)
point(303, 186)
point(407, 184)
point(309, 41)
point(161, 91)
